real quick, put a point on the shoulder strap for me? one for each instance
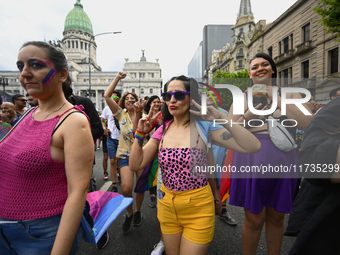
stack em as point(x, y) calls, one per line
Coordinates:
point(17, 123)
point(61, 122)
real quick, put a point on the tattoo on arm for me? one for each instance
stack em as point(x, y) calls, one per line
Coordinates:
point(140, 143)
point(226, 135)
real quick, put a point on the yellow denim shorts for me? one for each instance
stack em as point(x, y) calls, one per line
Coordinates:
point(191, 213)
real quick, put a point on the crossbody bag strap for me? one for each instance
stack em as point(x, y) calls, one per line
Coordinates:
point(17, 123)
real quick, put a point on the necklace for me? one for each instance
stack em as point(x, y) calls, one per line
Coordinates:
point(54, 111)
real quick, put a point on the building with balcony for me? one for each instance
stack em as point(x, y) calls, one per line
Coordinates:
point(305, 55)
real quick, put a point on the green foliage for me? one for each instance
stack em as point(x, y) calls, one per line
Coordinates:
point(330, 16)
point(239, 79)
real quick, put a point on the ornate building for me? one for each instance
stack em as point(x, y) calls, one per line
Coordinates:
point(305, 55)
point(80, 47)
point(143, 78)
point(233, 56)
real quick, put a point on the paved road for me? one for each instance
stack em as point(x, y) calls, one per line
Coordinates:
point(227, 239)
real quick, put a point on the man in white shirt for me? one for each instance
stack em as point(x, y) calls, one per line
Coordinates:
point(112, 132)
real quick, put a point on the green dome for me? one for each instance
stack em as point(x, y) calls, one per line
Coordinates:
point(77, 19)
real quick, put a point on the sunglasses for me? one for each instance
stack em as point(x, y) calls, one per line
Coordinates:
point(130, 98)
point(115, 97)
point(22, 100)
point(179, 95)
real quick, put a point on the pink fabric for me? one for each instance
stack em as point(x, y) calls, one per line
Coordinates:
point(32, 184)
point(159, 132)
point(178, 165)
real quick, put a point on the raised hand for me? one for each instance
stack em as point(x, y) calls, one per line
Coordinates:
point(212, 112)
point(145, 124)
point(120, 75)
point(139, 106)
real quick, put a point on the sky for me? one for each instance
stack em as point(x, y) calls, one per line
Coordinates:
point(167, 30)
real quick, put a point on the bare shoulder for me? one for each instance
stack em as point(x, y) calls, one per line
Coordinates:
point(73, 122)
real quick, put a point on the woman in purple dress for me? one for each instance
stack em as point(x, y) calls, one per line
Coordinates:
point(265, 198)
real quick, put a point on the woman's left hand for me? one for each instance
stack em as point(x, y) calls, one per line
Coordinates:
point(139, 106)
point(145, 124)
point(212, 112)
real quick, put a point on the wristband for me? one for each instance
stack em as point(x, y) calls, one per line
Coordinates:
point(139, 135)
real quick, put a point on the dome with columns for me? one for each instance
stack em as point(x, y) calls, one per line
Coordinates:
point(77, 19)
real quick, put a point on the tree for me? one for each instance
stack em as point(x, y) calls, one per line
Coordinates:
point(239, 79)
point(330, 16)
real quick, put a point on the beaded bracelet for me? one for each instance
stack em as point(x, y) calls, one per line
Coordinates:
point(139, 135)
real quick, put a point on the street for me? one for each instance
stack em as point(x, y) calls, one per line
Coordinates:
point(140, 240)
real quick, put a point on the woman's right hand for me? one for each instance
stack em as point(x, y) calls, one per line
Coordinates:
point(248, 115)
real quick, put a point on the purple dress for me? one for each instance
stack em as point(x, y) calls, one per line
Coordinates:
point(254, 190)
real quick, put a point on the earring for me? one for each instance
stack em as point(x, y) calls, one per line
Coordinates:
point(61, 80)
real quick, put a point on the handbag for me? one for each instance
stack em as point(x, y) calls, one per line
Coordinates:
point(215, 187)
point(280, 136)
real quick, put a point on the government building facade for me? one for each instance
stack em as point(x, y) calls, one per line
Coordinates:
point(143, 78)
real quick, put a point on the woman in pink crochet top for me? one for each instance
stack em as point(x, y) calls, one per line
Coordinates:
point(46, 162)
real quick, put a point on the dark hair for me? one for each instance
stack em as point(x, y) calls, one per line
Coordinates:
point(122, 100)
point(333, 92)
point(148, 104)
point(117, 92)
point(58, 59)
point(16, 96)
point(190, 84)
point(271, 62)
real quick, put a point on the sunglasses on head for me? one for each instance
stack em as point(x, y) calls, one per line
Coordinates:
point(179, 95)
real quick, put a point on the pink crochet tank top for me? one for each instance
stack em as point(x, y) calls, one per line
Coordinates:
point(32, 185)
point(178, 167)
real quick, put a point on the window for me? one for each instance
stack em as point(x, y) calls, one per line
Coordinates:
point(77, 44)
point(306, 32)
point(85, 46)
point(249, 28)
point(305, 69)
point(240, 63)
point(285, 76)
point(280, 48)
point(69, 44)
point(152, 75)
point(334, 60)
point(285, 45)
point(151, 91)
point(241, 30)
point(141, 75)
point(133, 91)
point(142, 90)
point(81, 45)
point(72, 44)
point(270, 52)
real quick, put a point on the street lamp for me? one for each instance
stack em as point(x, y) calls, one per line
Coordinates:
point(106, 33)
point(4, 82)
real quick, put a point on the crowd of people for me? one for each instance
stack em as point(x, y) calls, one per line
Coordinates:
point(161, 145)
